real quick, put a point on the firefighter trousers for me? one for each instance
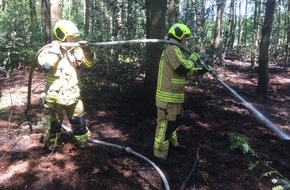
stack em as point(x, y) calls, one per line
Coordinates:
point(168, 120)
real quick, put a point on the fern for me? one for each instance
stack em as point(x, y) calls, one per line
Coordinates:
point(239, 142)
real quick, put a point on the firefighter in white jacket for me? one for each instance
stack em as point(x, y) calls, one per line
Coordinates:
point(62, 92)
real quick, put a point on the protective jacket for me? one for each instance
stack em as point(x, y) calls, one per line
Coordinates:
point(62, 75)
point(174, 68)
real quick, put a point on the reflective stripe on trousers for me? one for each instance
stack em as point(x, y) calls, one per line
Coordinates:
point(161, 146)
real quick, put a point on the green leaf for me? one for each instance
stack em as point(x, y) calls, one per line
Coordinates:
point(245, 148)
point(252, 165)
point(279, 187)
point(238, 141)
point(281, 184)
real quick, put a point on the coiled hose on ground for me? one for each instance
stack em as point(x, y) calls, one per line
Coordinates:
point(128, 150)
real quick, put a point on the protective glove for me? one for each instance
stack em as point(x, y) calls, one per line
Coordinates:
point(84, 45)
point(88, 54)
point(194, 57)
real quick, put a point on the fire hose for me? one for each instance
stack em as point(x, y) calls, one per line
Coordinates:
point(128, 150)
point(282, 134)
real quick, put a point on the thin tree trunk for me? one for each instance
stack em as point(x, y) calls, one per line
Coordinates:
point(240, 31)
point(279, 41)
point(46, 21)
point(171, 12)
point(245, 25)
point(33, 15)
point(218, 30)
point(232, 25)
point(55, 11)
point(87, 16)
point(255, 35)
point(288, 36)
point(201, 25)
point(263, 83)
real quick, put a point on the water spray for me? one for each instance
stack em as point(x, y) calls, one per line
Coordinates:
point(258, 114)
point(279, 132)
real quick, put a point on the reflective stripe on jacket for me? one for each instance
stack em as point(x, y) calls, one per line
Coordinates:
point(170, 85)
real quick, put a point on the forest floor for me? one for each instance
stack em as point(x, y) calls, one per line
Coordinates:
point(212, 116)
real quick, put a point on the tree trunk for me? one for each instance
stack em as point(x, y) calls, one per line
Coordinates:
point(245, 25)
point(201, 26)
point(240, 17)
point(278, 18)
point(87, 16)
point(288, 36)
point(262, 89)
point(171, 12)
point(55, 11)
point(218, 29)
point(33, 14)
point(155, 16)
point(255, 35)
point(46, 21)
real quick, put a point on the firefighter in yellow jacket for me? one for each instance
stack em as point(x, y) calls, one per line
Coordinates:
point(174, 68)
point(62, 92)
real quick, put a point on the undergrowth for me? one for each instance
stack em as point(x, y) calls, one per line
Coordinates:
point(238, 141)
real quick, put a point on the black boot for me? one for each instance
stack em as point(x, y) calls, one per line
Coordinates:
point(180, 148)
point(164, 161)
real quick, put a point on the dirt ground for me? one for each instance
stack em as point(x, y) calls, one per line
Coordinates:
point(212, 116)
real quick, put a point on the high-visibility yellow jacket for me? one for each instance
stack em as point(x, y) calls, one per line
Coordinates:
point(174, 68)
point(62, 75)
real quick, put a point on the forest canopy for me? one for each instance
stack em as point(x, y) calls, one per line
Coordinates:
point(25, 25)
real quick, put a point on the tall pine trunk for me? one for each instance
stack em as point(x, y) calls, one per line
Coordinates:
point(254, 34)
point(55, 11)
point(263, 83)
point(288, 36)
point(218, 31)
point(46, 21)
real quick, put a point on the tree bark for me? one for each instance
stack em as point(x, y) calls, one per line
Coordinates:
point(155, 16)
point(55, 12)
point(171, 12)
point(240, 21)
point(233, 23)
point(288, 36)
point(255, 35)
point(263, 83)
point(218, 29)
point(87, 16)
point(245, 24)
point(45, 9)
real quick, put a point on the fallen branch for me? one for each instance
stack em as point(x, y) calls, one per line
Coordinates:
point(183, 185)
